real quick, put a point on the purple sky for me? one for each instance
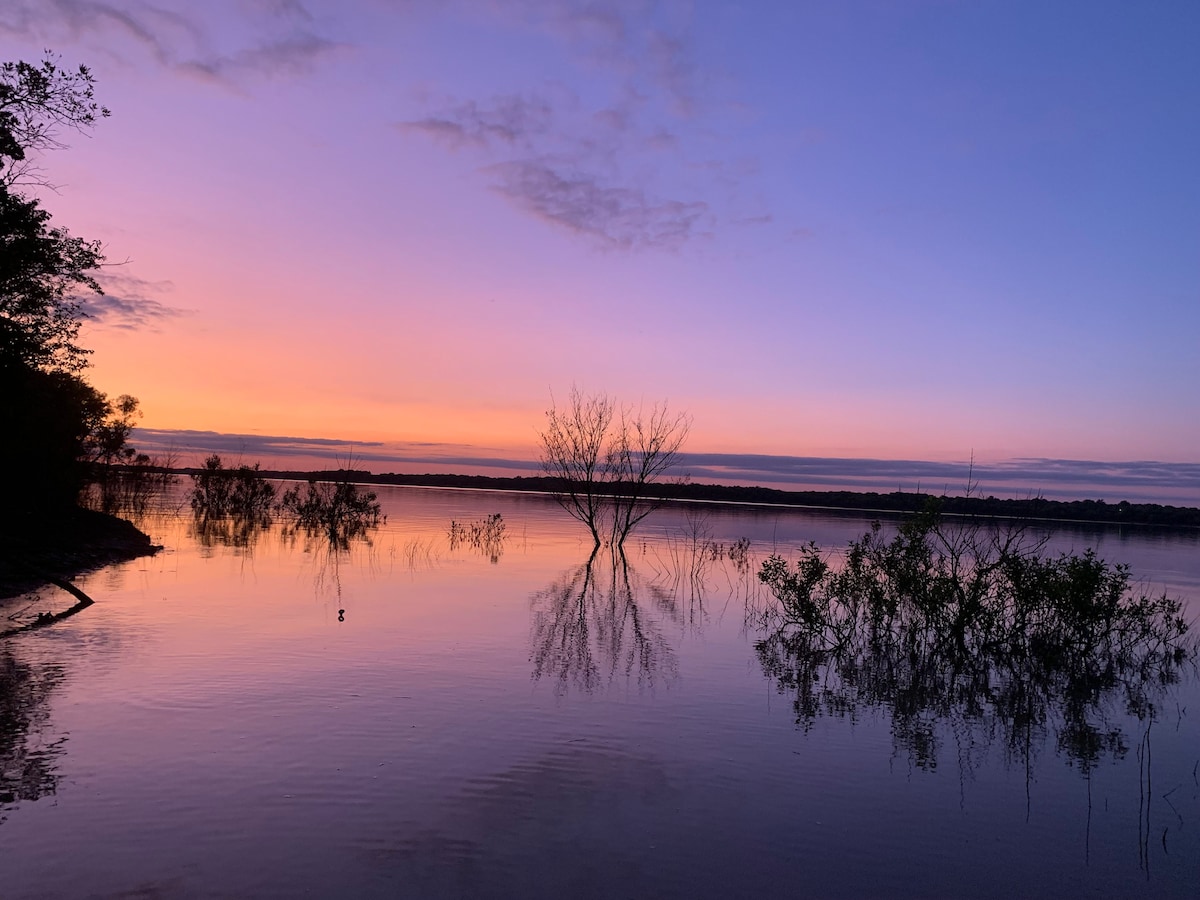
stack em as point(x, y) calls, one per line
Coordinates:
point(888, 230)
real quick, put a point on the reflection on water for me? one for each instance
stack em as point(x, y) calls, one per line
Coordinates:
point(590, 627)
point(486, 536)
point(328, 524)
point(281, 716)
point(29, 753)
point(973, 630)
point(232, 507)
point(241, 532)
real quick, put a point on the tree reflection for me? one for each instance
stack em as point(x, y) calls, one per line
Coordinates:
point(589, 628)
point(27, 761)
point(233, 507)
point(334, 513)
point(974, 630)
point(239, 531)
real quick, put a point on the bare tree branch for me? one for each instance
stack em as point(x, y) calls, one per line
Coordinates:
point(605, 457)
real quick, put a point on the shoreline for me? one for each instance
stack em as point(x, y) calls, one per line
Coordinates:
point(73, 543)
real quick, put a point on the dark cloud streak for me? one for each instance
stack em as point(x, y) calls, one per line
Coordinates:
point(128, 303)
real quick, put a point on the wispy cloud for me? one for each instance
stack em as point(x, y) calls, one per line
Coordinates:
point(598, 148)
point(1055, 478)
point(647, 45)
point(283, 9)
point(129, 303)
point(271, 37)
point(281, 451)
point(153, 29)
point(603, 147)
point(509, 120)
point(291, 56)
point(619, 216)
point(566, 169)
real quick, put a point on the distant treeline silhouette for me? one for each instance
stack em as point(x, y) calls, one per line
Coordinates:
point(1090, 511)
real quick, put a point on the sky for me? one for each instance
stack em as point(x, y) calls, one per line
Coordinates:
point(924, 230)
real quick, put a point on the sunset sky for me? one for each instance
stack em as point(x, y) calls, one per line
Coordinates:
point(855, 229)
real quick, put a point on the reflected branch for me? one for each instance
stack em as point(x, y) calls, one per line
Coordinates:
point(44, 619)
point(589, 629)
point(28, 763)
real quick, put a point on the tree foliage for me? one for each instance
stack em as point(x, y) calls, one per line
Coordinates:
point(48, 419)
point(43, 268)
point(36, 100)
point(241, 492)
point(604, 456)
point(56, 425)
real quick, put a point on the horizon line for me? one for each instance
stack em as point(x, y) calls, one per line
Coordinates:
point(1147, 480)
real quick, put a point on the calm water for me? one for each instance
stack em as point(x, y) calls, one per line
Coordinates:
point(504, 722)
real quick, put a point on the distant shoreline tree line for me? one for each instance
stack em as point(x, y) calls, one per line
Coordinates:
point(899, 502)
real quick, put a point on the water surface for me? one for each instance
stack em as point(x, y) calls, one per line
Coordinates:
point(416, 718)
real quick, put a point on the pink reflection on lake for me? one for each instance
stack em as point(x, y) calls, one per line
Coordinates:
point(470, 728)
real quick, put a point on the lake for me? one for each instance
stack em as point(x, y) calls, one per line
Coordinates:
point(434, 717)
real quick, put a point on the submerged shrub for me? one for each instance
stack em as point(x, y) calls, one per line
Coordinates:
point(230, 506)
point(972, 624)
point(339, 510)
point(739, 555)
point(243, 492)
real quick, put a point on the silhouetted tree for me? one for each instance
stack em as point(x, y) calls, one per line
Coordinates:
point(42, 272)
point(47, 418)
point(51, 419)
point(42, 268)
point(36, 99)
point(604, 456)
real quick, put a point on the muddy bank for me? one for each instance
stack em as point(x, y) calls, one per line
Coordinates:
point(34, 553)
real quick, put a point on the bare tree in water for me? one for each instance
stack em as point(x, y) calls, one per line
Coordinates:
point(606, 455)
